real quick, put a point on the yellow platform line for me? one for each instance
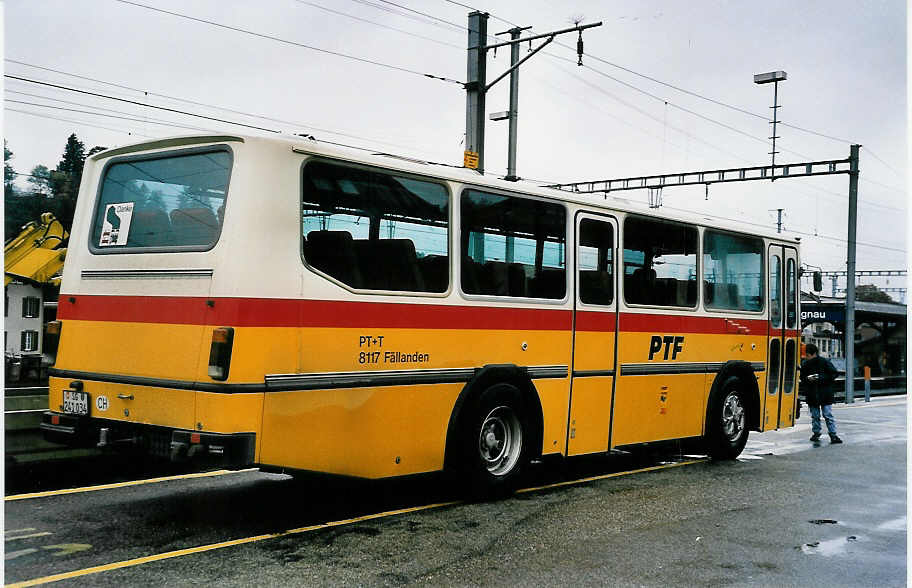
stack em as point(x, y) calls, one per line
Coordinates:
point(243, 541)
point(124, 484)
point(223, 544)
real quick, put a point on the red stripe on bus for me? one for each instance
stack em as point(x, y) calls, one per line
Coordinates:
point(664, 323)
point(274, 312)
point(269, 312)
point(595, 321)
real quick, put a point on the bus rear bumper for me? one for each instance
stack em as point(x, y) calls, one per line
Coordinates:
point(231, 450)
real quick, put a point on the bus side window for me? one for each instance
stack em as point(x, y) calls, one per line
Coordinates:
point(594, 258)
point(660, 263)
point(732, 271)
point(513, 246)
point(375, 230)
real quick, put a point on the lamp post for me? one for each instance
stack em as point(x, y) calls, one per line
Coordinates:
point(773, 77)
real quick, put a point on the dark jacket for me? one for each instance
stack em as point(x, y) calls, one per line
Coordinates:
point(820, 392)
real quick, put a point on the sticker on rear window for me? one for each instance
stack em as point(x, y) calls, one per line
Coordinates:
point(115, 228)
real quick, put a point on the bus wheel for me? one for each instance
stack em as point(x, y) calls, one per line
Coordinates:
point(495, 441)
point(727, 429)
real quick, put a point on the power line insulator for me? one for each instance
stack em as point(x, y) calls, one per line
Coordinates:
point(579, 49)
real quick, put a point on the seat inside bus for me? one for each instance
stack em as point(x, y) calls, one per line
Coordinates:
point(194, 226)
point(150, 227)
point(378, 264)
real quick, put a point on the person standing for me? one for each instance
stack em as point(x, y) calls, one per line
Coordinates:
point(817, 375)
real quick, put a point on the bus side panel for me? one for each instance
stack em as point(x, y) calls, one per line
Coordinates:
point(334, 413)
point(658, 407)
point(669, 405)
point(375, 348)
point(555, 398)
point(590, 418)
point(365, 432)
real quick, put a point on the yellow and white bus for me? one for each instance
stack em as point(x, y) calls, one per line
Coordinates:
point(292, 305)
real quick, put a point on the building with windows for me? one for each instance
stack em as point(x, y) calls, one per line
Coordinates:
point(32, 265)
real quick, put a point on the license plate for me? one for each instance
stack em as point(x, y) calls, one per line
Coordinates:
point(75, 402)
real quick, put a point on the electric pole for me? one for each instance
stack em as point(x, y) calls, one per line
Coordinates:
point(476, 80)
point(779, 220)
point(476, 85)
point(850, 276)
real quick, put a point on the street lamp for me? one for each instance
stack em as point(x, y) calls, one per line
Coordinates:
point(765, 78)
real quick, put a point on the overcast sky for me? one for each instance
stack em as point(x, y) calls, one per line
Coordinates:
point(846, 65)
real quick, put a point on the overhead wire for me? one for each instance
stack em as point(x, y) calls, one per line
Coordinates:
point(77, 122)
point(114, 116)
point(757, 224)
point(136, 102)
point(299, 126)
point(377, 24)
point(289, 42)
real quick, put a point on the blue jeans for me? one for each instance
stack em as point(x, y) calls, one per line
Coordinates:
point(827, 416)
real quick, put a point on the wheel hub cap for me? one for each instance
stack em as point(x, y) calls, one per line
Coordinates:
point(732, 417)
point(500, 440)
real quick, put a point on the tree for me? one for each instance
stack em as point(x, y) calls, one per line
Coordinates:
point(9, 174)
point(66, 178)
point(871, 293)
point(40, 180)
point(69, 170)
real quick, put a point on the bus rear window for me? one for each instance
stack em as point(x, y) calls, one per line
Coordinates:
point(165, 202)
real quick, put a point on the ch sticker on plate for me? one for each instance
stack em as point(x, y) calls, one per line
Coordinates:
point(101, 403)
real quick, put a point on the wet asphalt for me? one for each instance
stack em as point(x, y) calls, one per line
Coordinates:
point(788, 513)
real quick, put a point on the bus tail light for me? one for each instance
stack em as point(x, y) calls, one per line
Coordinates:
point(52, 339)
point(220, 353)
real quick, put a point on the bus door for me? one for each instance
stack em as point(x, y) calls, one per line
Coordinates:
point(594, 339)
point(788, 399)
point(782, 356)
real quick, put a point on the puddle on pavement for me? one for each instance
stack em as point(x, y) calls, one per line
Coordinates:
point(894, 525)
point(829, 547)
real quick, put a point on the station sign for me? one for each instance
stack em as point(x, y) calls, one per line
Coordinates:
point(822, 314)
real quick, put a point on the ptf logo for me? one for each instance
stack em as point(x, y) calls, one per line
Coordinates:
point(672, 343)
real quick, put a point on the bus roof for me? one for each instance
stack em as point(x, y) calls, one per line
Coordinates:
point(311, 146)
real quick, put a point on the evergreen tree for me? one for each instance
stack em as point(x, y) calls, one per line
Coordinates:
point(66, 178)
point(9, 174)
point(69, 170)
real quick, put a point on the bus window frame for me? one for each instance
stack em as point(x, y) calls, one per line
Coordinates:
point(568, 227)
point(167, 154)
point(763, 268)
point(698, 304)
point(581, 215)
point(447, 185)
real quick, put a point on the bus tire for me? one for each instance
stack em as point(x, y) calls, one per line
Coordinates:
point(495, 441)
point(728, 420)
